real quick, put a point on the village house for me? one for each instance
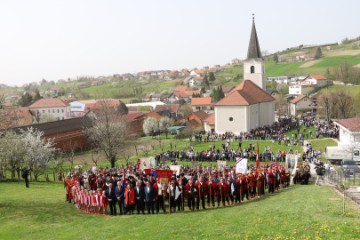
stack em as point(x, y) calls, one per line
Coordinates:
point(209, 123)
point(49, 109)
point(202, 103)
point(299, 89)
point(349, 133)
point(317, 80)
point(301, 104)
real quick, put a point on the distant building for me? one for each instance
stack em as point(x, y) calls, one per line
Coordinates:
point(202, 103)
point(349, 133)
point(49, 109)
point(301, 104)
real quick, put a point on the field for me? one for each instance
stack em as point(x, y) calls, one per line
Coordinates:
point(300, 212)
point(353, 90)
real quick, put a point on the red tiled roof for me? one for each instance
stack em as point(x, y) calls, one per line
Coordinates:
point(318, 76)
point(132, 116)
point(192, 123)
point(171, 107)
point(182, 88)
point(227, 89)
point(353, 124)
point(297, 99)
point(247, 93)
point(201, 115)
point(49, 102)
point(199, 78)
point(154, 115)
point(199, 71)
point(201, 101)
point(210, 119)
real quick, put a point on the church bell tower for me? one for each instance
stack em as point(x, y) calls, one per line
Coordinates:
point(254, 66)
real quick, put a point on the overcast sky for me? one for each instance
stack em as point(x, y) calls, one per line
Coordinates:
point(58, 39)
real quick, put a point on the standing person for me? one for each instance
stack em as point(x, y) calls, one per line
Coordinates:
point(140, 197)
point(211, 191)
point(221, 191)
point(160, 197)
point(111, 198)
point(149, 197)
point(201, 189)
point(25, 176)
point(119, 193)
point(189, 188)
point(244, 191)
point(129, 199)
point(271, 177)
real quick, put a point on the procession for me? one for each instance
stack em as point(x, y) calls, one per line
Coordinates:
point(133, 190)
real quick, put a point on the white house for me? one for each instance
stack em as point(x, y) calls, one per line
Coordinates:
point(299, 89)
point(50, 109)
point(349, 131)
point(317, 80)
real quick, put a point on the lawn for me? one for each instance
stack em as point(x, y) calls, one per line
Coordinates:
point(300, 212)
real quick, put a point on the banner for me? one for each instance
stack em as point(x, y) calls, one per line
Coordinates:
point(175, 168)
point(164, 176)
point(221, 165)
point(291, 162)
point(241, 165)
point(147, 163)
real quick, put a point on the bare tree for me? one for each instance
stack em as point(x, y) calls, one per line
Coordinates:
point(344, 104)
point(326, 105)
point(108, 131)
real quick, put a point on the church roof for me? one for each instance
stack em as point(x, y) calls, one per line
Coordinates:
point(246, 94)
point(254, 46)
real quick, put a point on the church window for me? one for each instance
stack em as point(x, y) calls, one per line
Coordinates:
point(231, 119)
point(252, 69)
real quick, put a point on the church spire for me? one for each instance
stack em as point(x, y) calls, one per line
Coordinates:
point(254, 47)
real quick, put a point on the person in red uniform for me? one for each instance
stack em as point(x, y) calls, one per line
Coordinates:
point(211, 191)
point(271, 179)
point(221, 192)
point(244, 190)
point(201, 189)
point(190, 192)
point(129, 199)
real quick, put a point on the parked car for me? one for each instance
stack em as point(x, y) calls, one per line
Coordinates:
point(350, 167)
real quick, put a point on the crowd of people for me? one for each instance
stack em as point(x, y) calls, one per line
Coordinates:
point(128, 190)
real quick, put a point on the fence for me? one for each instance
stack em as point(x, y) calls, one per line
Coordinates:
point(346, 183)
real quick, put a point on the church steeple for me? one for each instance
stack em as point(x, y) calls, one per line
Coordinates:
point(254, 66)
point(254, 46)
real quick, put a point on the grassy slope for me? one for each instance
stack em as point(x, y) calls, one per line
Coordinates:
point(353, 89)
point(301, 212)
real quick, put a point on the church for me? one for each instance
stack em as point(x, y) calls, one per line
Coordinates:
point(248, 106)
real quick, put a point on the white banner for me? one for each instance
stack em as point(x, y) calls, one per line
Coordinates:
point(221, 165)
point(241, 165)
point(146, 163)
point(291, 162)
point(175, 168)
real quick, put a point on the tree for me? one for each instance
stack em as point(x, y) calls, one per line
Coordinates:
point(25, 99)
point(217, 94)
point(276, 58)
point(122, 109)
point(318, 53)
point(325, 105)
point(38, 152)
point(108, 131)
point(211, 77)
point(205, 81)
point(164, 123)
point(11, 153)
point(344, 104)
point(150, 126)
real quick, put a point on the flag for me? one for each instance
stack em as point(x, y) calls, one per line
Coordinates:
point(257, 157)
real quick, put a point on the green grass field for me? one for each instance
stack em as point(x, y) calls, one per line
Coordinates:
point(300, 212)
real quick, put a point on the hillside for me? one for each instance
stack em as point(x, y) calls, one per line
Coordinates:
point(292, 61)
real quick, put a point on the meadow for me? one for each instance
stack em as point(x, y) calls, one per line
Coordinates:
point(299, 212)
